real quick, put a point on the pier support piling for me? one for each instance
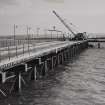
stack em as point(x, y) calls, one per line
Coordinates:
point(17, 85)
point(34, 73)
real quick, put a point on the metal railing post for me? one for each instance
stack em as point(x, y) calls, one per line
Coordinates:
point(9, 52)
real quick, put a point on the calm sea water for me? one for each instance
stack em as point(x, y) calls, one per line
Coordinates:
point(80, 82)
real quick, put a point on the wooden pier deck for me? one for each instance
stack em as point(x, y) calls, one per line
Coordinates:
point(40, 49)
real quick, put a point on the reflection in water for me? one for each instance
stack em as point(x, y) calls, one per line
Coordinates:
point(81, 82)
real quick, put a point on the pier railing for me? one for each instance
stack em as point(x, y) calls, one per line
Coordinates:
point(10, 47)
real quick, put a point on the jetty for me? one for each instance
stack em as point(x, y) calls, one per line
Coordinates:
point(35, 61)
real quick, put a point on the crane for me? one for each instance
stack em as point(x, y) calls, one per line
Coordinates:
point(62, 21)
point(78, 36)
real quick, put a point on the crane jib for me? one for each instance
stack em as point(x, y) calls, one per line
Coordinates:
point(64, 23)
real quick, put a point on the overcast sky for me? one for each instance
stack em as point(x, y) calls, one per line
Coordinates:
point(87, 15)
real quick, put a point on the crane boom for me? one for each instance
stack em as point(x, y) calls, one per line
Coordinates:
point(74, 27)
point(64, 23)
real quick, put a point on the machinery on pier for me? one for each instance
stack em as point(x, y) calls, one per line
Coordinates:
point(77, 36)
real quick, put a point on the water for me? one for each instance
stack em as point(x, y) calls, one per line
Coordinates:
point(81, 82)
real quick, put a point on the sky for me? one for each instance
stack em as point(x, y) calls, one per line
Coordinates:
point(87, 15)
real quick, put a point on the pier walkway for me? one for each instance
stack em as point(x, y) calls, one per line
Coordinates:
point(32, 51)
